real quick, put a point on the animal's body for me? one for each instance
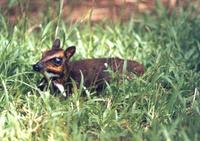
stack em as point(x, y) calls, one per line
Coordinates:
point(56, 67)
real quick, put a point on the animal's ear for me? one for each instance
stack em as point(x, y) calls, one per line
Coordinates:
point(69, 52)
point(56, 44)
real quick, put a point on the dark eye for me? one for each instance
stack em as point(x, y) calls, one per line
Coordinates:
point(57, 61)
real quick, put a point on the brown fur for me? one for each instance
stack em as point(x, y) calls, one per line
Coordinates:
point(96, 71)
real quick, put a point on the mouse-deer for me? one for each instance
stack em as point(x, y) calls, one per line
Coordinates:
point(56, 67)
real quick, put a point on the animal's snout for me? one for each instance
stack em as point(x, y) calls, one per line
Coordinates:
point(37, 67)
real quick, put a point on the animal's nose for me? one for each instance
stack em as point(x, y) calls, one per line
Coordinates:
point(37, 67)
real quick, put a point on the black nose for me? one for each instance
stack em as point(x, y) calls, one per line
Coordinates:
point(37, 67)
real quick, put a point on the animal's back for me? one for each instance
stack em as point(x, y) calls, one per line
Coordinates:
point(95, 71)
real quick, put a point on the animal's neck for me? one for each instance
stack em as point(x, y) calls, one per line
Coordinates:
point(63, 75)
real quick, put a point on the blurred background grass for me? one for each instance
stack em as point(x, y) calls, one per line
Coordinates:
point(162, 105)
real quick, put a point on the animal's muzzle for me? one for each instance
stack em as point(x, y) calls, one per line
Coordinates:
point(37, 67)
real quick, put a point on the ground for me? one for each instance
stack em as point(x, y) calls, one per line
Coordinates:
point(80, 10)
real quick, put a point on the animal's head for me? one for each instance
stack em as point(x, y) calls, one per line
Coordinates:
point(54, 62)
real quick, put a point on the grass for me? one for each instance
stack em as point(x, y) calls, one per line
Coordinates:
point(164, 104)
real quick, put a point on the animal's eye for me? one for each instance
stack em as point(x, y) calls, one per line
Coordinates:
point(57, 61)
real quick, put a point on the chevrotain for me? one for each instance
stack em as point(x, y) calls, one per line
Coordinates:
point(56, 67)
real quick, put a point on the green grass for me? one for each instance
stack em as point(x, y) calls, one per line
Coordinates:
point(164, 104)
